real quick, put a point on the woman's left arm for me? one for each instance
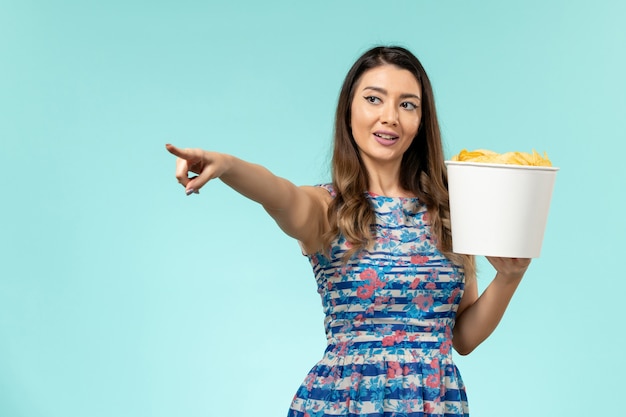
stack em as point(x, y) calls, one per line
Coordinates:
point(477, 317)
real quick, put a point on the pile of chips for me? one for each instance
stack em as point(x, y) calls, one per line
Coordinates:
point(511, 158)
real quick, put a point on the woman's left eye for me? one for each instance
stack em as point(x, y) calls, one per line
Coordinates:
point(408, 105)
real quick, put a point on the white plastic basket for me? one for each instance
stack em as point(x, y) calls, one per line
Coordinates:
point(497, 209)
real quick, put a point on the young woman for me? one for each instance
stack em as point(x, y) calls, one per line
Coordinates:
point(396, 297)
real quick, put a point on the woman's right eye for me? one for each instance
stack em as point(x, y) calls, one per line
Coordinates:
point(372, 99)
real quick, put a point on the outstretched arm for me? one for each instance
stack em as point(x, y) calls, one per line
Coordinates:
point(299, 211)
point(477, 317)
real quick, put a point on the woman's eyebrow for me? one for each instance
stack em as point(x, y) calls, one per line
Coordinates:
point(383, 91)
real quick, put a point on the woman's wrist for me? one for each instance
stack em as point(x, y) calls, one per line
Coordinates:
point(509, 277)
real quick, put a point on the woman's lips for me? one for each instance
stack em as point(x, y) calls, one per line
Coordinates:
point(386, 138)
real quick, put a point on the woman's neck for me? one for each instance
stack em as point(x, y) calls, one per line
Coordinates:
point(386, 182)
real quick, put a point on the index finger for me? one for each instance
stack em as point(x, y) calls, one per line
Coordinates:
point(181, 153)
point(189, 154)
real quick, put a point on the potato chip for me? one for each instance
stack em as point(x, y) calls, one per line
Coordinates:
point(511, 158)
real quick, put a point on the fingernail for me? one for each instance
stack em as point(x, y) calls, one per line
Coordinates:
point(190, 191)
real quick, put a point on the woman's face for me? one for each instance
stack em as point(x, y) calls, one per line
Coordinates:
point(385, 115)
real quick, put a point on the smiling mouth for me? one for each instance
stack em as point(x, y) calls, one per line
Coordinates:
point(386, 137)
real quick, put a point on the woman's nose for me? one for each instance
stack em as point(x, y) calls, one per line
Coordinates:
point(389, 115)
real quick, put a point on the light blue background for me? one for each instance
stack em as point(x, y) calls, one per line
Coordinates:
point(120, 296)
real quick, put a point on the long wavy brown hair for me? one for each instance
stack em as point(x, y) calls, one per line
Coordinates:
point(422, 172)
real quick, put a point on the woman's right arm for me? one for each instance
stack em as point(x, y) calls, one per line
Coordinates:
point(299, 211)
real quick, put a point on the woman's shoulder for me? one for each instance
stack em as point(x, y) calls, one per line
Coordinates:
point(328, 187)
point(323, 193)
